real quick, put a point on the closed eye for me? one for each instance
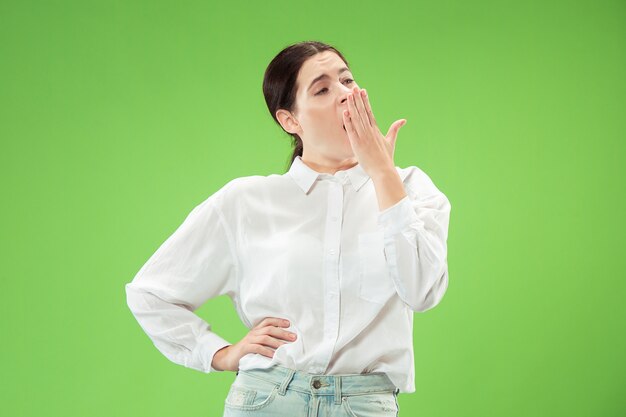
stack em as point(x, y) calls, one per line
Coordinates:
point(349, 80)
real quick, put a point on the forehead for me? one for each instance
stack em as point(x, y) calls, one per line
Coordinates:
point(324, 62)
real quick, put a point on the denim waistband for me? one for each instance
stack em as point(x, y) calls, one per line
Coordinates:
point(337, 385)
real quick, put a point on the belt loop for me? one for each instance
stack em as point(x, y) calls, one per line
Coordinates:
point(338, 389)
point(286, 381)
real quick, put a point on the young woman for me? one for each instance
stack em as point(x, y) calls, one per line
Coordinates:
point(325, 264)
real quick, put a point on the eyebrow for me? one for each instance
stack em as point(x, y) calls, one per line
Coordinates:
point(321, 77)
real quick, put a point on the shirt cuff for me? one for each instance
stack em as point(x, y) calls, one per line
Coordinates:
point(398, 217)
point(208, 345)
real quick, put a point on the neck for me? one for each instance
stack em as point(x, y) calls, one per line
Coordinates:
point(330, 166)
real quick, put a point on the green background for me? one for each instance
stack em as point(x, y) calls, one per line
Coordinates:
point(118, 117)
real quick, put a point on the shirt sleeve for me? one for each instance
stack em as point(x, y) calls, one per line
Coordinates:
point(194, 264)
point(415, 243)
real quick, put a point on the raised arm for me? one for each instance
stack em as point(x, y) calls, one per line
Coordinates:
point(415, 242)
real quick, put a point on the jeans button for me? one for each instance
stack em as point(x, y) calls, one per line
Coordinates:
point(317, 384)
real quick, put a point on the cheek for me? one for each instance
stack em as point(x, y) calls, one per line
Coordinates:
point(319, 111)
point(324, 118)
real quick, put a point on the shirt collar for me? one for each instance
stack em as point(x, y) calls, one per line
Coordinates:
point(305, 176)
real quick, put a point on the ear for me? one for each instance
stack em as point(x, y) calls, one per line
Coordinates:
point(288, 121)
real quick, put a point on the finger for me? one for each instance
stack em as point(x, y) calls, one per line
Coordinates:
point(347, 121)
point(281, 334)
point(267, 340)
point(368, 109)
point(360, 120)
point(273, 321)
point(277, 332)
point(262, 350)
point(357, 125)
point(360, 105)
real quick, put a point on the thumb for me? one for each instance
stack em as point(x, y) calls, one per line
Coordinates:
point(392, 134)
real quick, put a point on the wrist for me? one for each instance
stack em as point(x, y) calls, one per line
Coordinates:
point(384, 174)
point(216, 363)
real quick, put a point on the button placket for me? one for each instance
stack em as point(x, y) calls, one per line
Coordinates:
point(331, 273)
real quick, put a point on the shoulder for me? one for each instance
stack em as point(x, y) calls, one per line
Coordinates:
point(252, 184)
point(237, 190)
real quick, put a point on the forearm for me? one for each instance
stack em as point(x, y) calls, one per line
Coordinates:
point(415, 242)
point(389, 188)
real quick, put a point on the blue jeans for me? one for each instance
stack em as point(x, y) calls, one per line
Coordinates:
point(279, 391)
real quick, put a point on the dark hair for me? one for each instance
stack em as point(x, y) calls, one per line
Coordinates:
point(279, 81)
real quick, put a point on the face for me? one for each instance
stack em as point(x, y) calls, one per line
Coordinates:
point(320, 103)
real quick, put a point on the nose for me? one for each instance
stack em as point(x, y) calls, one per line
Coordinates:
point(344, 94)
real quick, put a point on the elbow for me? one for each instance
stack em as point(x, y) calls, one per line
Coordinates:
point(434, 295)
point(134, 300)
point(131, 297)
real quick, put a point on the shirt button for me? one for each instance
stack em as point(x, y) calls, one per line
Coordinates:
point(317, 384)
point(332, 251)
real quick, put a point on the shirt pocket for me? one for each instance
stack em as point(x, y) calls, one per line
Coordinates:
point(375, 283)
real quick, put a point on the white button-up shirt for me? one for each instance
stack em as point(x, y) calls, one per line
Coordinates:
point(310, 247)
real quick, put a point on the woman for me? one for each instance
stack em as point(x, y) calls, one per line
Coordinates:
point(325, 264)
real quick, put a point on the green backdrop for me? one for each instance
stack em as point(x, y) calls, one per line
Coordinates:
point(118, 117)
